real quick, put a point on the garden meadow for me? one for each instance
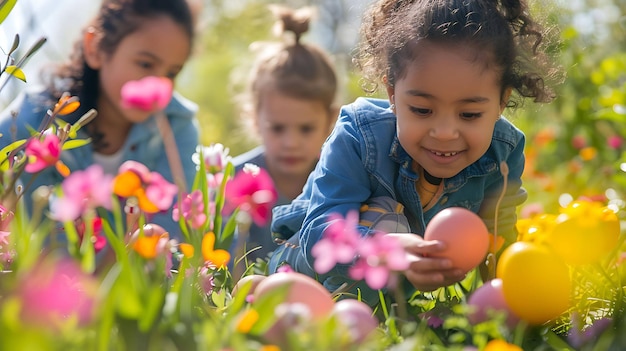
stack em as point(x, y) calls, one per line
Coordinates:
point(559, 287)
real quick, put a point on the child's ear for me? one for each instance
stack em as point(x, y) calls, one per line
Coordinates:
point(505, 99)
point(90, 49)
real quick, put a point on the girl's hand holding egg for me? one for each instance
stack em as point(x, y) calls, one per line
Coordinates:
point(427, 271)
point(465, 235)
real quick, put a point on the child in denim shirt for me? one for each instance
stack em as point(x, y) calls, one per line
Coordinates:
point(449, 68)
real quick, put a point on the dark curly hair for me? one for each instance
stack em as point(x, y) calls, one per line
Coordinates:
point(115, 20)
point(501, 33)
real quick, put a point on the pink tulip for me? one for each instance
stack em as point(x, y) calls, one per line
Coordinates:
point(147, 94)
point(253, 191)
point(42, 153)
point(83, 190)
point(56, 291)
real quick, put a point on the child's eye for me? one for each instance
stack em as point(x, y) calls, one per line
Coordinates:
point(420, 111)
point(277, 129)
point(470, 115)
point(307, 129)
point(144, 64)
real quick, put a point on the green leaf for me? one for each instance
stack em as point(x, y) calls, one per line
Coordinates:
point(74, 143)
point(16, 72)
point(5, 8)
point(4, 166)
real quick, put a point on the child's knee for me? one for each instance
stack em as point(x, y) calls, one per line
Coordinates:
point(384, 214)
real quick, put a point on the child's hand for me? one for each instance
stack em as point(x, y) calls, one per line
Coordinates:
point(427, 273)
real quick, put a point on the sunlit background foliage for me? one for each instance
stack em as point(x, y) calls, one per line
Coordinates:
point(575, 144)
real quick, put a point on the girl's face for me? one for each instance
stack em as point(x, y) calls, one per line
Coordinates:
point(447, 105)
point(159, 47)
point(293, 131)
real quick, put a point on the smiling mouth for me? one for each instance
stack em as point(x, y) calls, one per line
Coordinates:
point(445, 154)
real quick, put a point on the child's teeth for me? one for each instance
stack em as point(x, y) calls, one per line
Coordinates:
point(447, 154)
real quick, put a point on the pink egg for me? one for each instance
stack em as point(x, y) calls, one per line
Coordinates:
point(357, 317)
point(306, 302)
point(465, 235)
point(252, 279)
point(301, 289)
point(487, 301)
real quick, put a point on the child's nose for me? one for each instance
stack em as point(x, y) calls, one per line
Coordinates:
point(444, 129)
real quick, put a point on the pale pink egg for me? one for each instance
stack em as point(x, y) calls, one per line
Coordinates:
point(357, 317)
point(253, 280)
point(301, 289)
point(487, 301)
point(465, 235)
point(306, 302)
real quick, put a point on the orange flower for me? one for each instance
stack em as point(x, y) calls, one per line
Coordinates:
point(146, 246)
point(501, 345)
point(66, 105)
point(588, 153)
point(152, 191)
point(218, 257)
point(247, 321)
point(187, 250)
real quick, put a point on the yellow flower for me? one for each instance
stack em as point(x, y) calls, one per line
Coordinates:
point(588, 153)
point(501, 345)
point(247, 321)
point(187, 250)
point(218, 257)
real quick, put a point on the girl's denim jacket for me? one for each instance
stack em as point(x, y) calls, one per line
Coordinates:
point(143, 144)
point(363, 159)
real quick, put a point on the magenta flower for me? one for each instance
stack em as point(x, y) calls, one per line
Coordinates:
point(615, 142)
point(192, 209)
point(82, 191)
point(42, 153)
point(56, 291)
point(147, 94)
point(379, 254)
point(98, 238)
point(339, 244)
point(252, 190)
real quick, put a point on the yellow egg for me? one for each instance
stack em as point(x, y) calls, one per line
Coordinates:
point(535, 282)
point(464, 233)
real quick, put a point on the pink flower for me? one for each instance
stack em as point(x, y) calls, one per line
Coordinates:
point(206, 279)
point(147, 94)
point(339, 244)
point(42, 153)
point(153, 192)
point(252, 190)
point(5, 218)
point(57, 291)
point(192, 209)
point(83, 190)
point(379, 255)
point(215, 157)
point(615, 142)
point(579, 142)
point(99, 241)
